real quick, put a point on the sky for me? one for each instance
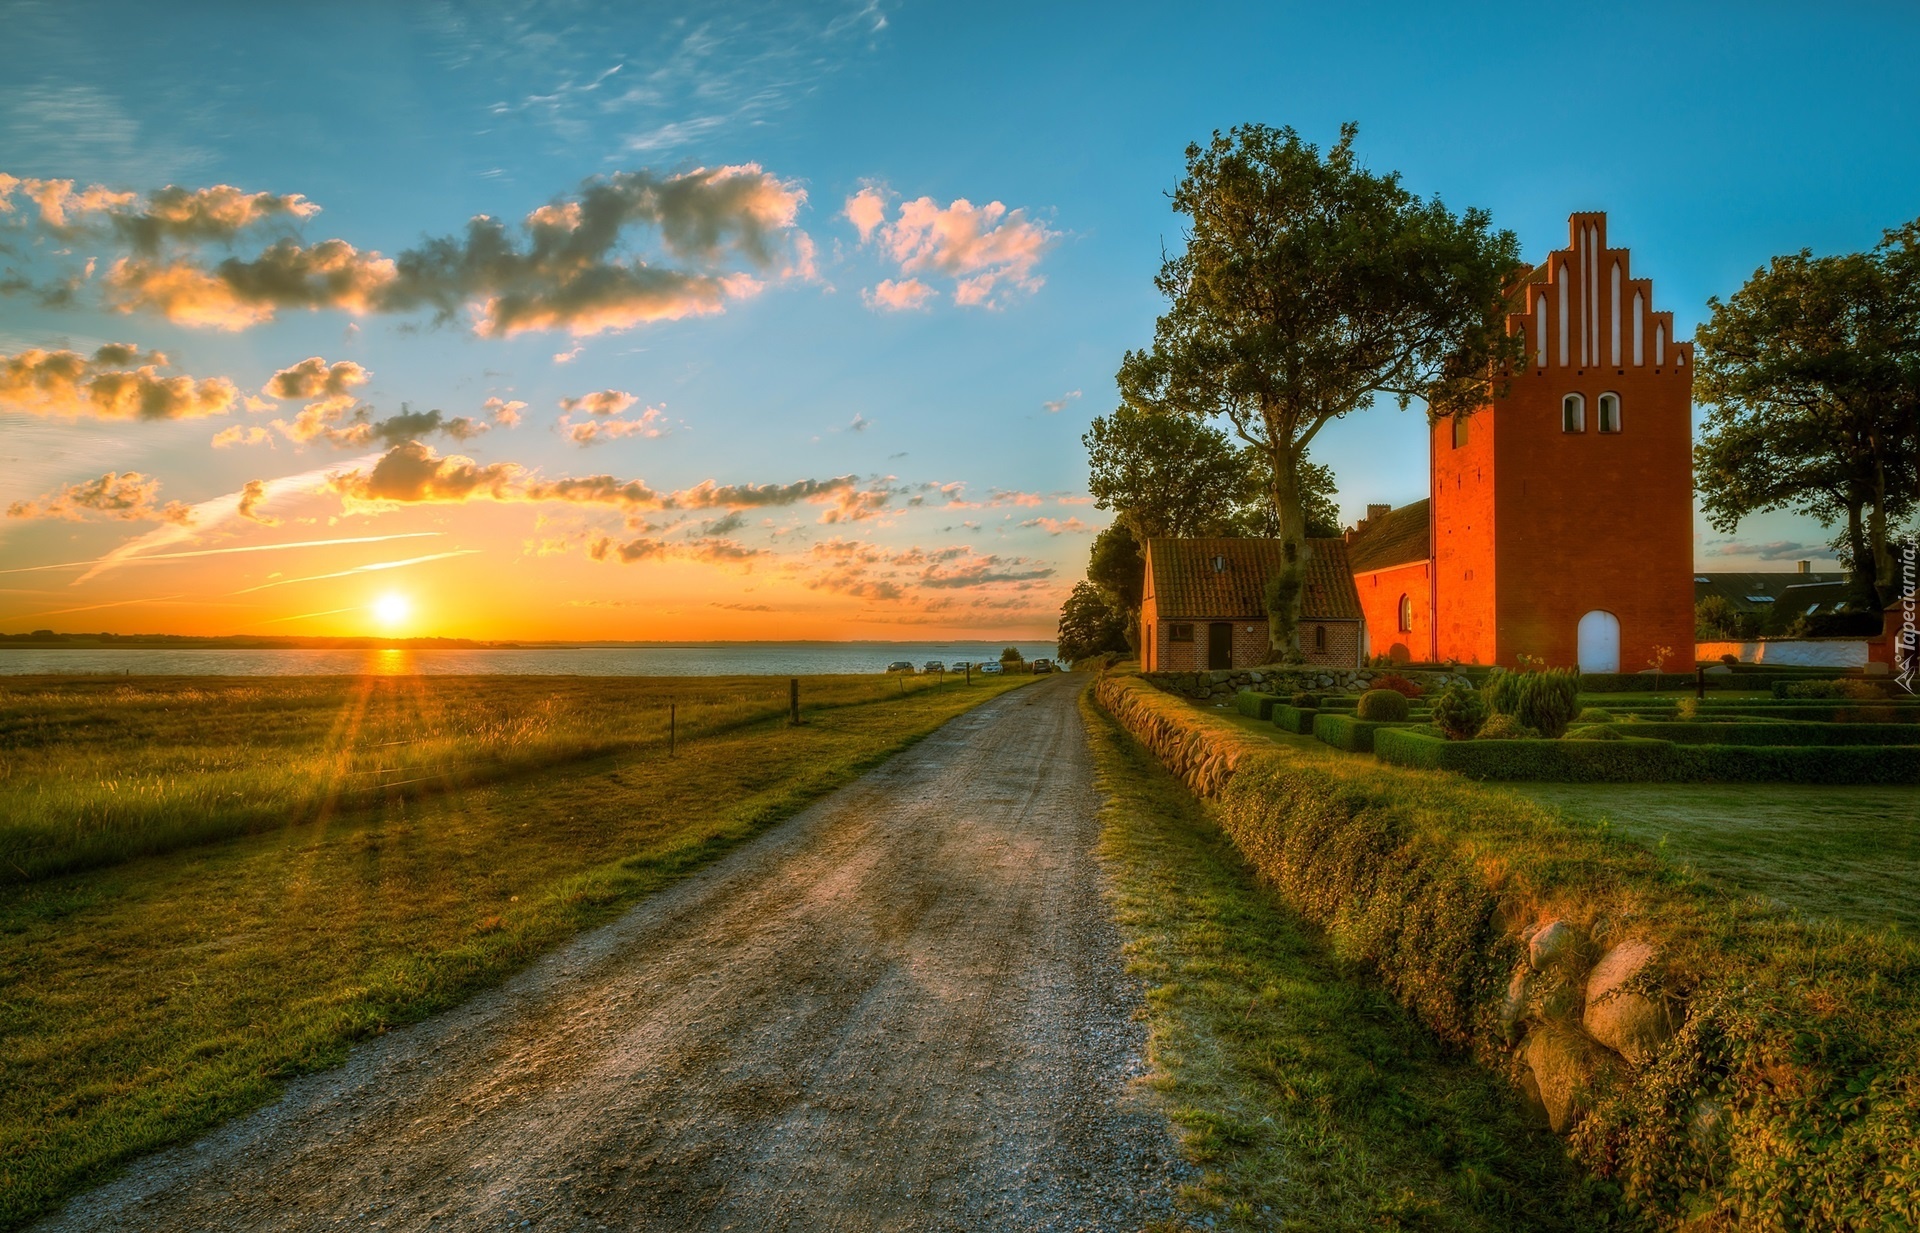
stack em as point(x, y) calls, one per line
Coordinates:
point(743, 321)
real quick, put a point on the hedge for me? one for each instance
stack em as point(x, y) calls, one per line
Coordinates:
point(1346, 732)
point(1637, 682)
point(1255, 705)
point(1297, 719)
point(1717, 731)
point(1636, 760)
point(1788, 1098)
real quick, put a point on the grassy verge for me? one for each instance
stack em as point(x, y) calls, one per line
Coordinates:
point(146, 1001)
point(1307, 1097)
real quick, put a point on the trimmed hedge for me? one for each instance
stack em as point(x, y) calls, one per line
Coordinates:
point(1788, 1097)
point(1717, 731)
point(1255, 705)
point(1348, 733)
point(1640, 682)
point(1635, 760)
point(1296, 719)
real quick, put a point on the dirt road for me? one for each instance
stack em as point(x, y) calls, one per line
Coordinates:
point(903, 1009)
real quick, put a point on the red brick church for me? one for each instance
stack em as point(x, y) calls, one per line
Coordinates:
point(1560, 521)
point(1560, 524)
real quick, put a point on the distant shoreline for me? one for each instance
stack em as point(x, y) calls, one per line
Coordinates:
point(187, 642)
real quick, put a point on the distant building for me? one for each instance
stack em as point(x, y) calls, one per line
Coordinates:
point(1560, 521)
point(1762, 595)
point(1204, 605)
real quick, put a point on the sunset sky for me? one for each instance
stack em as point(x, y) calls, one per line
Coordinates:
point(762, 321)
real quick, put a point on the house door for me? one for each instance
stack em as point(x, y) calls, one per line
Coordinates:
point(1599, 642)
point(1220, 644)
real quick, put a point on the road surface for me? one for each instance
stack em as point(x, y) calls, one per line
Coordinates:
point(902, 1009)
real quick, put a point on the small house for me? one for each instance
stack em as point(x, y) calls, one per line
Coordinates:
point(1204, 605)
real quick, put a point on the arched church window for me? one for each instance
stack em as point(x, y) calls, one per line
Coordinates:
point(1406, 614)
point(1459, 431)
point(1573, 413)
point(1609, 413)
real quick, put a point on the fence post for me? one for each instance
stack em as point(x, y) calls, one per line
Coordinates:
point(1700, 681)
point(793, 701)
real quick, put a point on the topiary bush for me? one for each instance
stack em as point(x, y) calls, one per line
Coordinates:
point(1506, 728)
point(1398, 684)
point(1459, 713)
point(1594, 715)
point(1864, 691)
point(1547, 701)
point(1305, 701)
point(1593, 732)
point(1382, 706)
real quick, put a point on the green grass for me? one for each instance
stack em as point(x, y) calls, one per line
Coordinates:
point(97, 770)
point(147, 1000)
point(1306, 1096)
point(1842, 851)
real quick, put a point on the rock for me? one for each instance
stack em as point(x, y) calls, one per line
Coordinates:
point(1513, 1007)
point(1552, 943)
point(1623, 1019)
point(1559, 1073)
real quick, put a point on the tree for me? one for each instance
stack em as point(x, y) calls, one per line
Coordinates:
point(1309, 286)
point(1117, 568)
point(1810, 374)
point(1174, 475)
point(1090, 624)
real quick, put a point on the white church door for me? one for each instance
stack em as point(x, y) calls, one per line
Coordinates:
point(1599, 642)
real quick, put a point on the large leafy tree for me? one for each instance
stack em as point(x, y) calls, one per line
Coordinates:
point(1811, 378)
point(1090, 624)
point(1308, 287)
point(1175, 475)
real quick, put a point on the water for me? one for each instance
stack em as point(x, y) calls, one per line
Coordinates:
point(709, 659)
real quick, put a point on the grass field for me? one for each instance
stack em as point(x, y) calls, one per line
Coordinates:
point(147, 999)
point(1307, 1097)
point(1847, 852)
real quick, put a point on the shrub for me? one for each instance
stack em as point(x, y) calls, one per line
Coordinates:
point(1296, 719)
point(1506, 728)
point(1594, 732)
point(1687, 709)
point(1594, 715)
point(1459, 713)
point(1398, 684)
point(1255, 705)
point(1859, 691)
point(1545, 701)
point(1729, 660)
point(1346, 732)
point(1307, 702)
point(1382, 706)
point(1502, 691)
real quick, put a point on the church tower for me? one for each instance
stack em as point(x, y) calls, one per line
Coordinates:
point(1562, 513)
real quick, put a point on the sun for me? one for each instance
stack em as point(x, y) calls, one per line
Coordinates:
point(391, 609)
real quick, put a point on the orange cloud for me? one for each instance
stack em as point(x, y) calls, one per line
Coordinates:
point(236, 294)
point(1057, 526)
point(241, 434)
point(57, 198)
point(650, 424)
point(505, 413)
point(890, 296)
point(990, 251)
point(251, 496)
point(129, 497)
point(603, 402)
point(119, 382)
point(314, 378)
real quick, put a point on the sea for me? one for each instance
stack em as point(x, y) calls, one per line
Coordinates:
point(678, 659)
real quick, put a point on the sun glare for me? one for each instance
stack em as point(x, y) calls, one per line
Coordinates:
point(391, 610)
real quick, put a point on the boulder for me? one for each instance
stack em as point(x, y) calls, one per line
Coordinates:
point(1621, 1017)
point(1513, 1007)
point(1559, 1070)
point(1551, 944)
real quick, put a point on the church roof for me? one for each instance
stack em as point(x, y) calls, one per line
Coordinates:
point(1186, 586)
point(1400, 538)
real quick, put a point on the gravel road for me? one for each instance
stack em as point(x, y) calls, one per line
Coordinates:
point(902, 1009)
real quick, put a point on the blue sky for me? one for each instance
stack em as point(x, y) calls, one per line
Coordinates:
point(1715, 136)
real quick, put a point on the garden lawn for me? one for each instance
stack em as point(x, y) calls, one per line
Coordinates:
point(1306, 1096)
point(1842, 851)
point(144, 1001)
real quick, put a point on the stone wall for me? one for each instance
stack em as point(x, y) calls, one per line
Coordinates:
point(1226, 682)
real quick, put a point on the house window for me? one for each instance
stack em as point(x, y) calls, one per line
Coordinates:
point(1459, 431)
point(1609, 413)
point(1320, 637)
point(1179, 633)
point(1406, 614)
point(1573, 413)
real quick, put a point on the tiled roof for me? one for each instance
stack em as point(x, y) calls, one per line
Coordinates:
point(1186, 586)
point(1397, 539)
point(1758, 592)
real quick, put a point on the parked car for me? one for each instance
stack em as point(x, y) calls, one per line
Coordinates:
point(1042, 665)
point(900, 665)
point(934, 665)
point(961, 665)
point(992, 667)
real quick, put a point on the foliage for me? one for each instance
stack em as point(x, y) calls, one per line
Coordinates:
point(1306, 701)
point(1255, 705)
point(1090, 624)
point(1010, 655)
point(1349, 732)
point(1500, 727)
point(1811, 386)
point(1117, 567)
point(1296, 719)
point(1594, 715)
point(1398, 684)
point(146, 1002)
point(1715, 619)
point(1545, 701)
point(1594, 732)
point(1459, 713)
point(1309, 285)
point(1863, 691)
point(1382, 705)
point(1638, 759)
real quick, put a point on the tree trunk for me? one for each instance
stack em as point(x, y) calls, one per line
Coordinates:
point(1862, 590)
point(1286, 592)
point(1883, 573)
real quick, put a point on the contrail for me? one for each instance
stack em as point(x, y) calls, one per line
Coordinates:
point(304, 615)
point(157, 599)
point(360, 569)
point(214, 552)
